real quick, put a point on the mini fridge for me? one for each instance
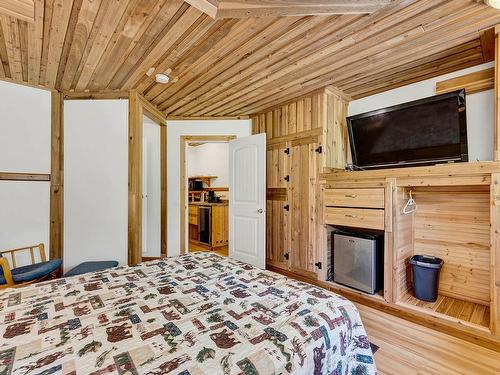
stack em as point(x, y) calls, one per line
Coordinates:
point(358, 259)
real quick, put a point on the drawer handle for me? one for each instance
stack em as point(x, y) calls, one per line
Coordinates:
point(350, 195)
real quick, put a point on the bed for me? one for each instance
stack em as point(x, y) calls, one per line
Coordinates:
point(193, 314)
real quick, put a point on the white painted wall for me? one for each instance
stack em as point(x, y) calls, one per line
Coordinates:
point(24, 129)
point(24, 147)
point(209, 159)
point(96, 181)
point(151, 154)
point(239, 128)
point(480, 109)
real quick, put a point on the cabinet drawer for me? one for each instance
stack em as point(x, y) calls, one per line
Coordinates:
point(355, 217)
point(363, 198)
point(193, 215)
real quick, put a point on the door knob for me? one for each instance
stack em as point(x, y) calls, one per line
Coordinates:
point(260, 210)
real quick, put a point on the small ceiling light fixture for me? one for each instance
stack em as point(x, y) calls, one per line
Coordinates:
point(162, 78)
point(493, 3)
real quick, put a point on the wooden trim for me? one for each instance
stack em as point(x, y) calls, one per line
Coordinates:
point(15, 176)
point(184, 139)
point(496, 128)
point(164, 190)
point(139, 107)
point(135, 179)
point(454, 169)
point(218, 118)
point(208, 7)
point(495, 255)
point(5, 266)
point(152, 111)
point(472, 82)
point(75, 95)
point(56, 242)
point(487, 39)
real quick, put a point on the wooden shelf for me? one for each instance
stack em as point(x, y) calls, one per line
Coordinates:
point(468, 313)
point(205, 179)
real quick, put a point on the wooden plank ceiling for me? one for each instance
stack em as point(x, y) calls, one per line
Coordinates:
point(227, 67)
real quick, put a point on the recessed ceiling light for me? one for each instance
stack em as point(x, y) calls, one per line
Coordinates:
point(493, 3)
point(162, 78)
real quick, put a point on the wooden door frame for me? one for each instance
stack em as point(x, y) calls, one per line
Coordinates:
point(139, 106)
point(184, 139)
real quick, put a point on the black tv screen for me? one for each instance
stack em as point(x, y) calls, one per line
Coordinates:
point(426, 131)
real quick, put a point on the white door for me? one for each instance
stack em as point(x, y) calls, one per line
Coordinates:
point(247, 199)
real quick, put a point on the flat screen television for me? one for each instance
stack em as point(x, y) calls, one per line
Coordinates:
point(426, 131)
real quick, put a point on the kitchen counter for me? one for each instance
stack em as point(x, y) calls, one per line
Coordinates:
point(223, 203)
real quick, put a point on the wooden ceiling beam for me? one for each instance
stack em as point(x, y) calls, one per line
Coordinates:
point(209, 7)
point(219, 9)
point(20, 9)
point(280, 8)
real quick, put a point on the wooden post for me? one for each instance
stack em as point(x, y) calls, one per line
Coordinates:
point(134, 179)
point(57, 177)
point(163, 183)
point(495, 255)
point(496, 136)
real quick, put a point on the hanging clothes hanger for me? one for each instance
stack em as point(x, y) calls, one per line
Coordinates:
point(410, 206)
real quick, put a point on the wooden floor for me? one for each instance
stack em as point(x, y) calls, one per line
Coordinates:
point(406, 348)
point(222, 251)
point(473, 313)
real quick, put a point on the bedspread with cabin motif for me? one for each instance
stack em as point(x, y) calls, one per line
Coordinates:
point(193, 314)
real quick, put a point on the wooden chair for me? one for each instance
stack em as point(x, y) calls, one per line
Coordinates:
point(34, 272)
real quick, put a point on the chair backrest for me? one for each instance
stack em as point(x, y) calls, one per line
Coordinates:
point(31, 249)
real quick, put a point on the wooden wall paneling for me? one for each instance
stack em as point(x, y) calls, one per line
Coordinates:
point(389, 253)
point(402, 244)
point(458, 231)
point(495, 255)
point(336, 141)
point(56, 242)
point(135, 131)
point(496, 128)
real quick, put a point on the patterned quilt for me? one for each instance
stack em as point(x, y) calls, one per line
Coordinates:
point(194, 314)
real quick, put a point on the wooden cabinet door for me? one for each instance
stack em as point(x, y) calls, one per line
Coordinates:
point(277, 216)
point(304, 207)
point(219, 225)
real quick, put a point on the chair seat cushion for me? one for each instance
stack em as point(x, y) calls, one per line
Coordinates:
point(94, 266)
point(32, 272)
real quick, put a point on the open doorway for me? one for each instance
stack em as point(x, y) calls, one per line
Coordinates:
point(205, 194)
point(151, 189)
